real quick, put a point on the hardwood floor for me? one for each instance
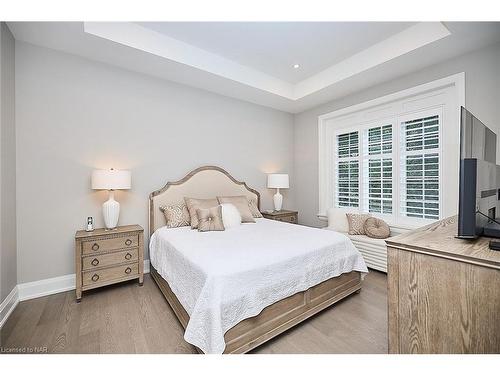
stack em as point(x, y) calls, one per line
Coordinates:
point(126, 318)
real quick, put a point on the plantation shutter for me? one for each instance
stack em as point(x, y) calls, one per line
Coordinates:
point(419, 154)
point(347, 170)
point(377, 169)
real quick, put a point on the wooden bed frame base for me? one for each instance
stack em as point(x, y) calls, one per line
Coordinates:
point(276, 318)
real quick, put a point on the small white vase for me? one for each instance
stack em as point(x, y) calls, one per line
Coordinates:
point(111, 211)
point(278, 200)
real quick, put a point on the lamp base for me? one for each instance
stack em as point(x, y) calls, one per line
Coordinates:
point(278, 200)
point(111, 211)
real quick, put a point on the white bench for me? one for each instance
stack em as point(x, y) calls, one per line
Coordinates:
point(374, 250)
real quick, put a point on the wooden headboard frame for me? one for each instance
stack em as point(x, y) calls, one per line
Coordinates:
point(204, 182)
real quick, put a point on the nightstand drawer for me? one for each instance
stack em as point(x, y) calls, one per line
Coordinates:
point(288, 219)
point(285, 216)
point(107, 274)
point(110, 259)
point(99, 246)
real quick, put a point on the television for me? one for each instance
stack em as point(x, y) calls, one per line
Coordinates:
point(479, 190)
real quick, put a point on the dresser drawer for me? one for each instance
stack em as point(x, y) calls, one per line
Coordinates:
point(104, 260)
point(107, 274)
point(103, 245)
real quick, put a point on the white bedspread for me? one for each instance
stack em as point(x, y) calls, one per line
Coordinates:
point(222, 278)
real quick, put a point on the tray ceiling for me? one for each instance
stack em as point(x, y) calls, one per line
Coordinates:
point(254, 61)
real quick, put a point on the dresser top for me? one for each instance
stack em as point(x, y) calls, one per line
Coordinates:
point(104, 232)
point(439, 239)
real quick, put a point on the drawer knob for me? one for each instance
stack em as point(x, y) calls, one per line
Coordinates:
point(128, 256)
point(95, 262)
point(128, 270)
point(95, 246)
point(128, 242)
point(95, 277)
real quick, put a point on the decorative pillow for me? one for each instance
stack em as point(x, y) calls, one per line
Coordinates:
point(376, 228)
point(254, 209)
point(193, 204)
point(230, 215)
point(241, 203)
point(337, 220)
point(210, 219)
point(356, 222)
point(176, 215)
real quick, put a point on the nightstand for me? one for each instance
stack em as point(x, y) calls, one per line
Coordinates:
point(104, 257)
point(283, 215)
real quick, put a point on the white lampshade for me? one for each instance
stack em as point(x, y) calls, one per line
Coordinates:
point(111, 179)
point(277, 181)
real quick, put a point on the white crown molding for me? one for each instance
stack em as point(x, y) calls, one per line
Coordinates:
point(8, 305)
point(40, 288)
point(150, 41)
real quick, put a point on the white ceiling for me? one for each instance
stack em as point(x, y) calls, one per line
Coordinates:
point(253, 61)
point(274, 47)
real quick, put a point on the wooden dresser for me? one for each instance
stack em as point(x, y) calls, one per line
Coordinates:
point(283, 215)
point(443, 292)
point(104, 257)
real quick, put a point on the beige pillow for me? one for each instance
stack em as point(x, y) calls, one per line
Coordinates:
point(376, 228)
point(193, 204)
point(254, 209)
point(241, 203)
point(210, 219)
point(176, 215)
point(356, 223)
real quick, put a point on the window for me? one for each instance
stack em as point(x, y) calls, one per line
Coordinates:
point(420, 168)
point(372, 178)
point(378, 169)
point(396, 157)
point(347, 191)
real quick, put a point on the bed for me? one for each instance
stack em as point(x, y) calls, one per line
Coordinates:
point(236, 289)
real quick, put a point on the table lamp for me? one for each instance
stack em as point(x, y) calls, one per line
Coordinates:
point(111, 180)
point(277, 181)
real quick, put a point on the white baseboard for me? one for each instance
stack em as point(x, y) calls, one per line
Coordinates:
point(8, 305)
point(45, 287)
point(40, 288)
point(53, 285)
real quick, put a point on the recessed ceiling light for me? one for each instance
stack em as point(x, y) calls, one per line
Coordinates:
point(296, 66)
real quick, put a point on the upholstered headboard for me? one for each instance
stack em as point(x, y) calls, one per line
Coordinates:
point(204, 182)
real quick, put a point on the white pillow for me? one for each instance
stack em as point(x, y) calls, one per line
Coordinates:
point(230, 215)
point(337, 220)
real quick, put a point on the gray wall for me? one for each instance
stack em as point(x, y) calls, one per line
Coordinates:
point(8, 273)
point(74, 115)
point(482, 75)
